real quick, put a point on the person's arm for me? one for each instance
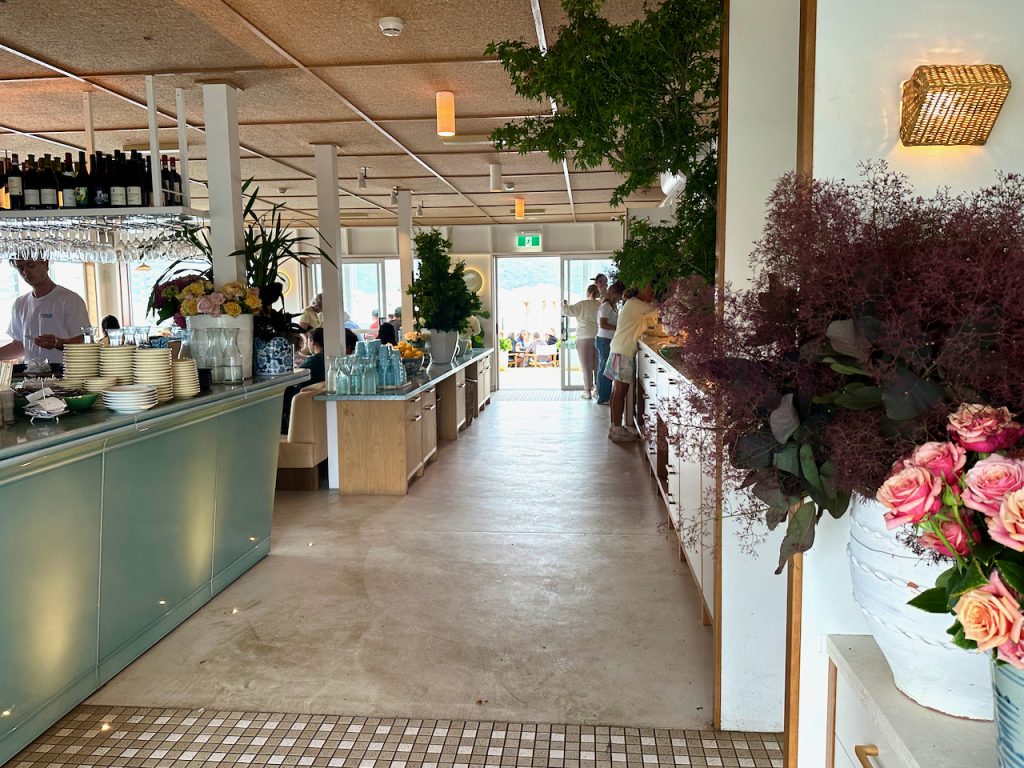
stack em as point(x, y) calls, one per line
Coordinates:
point(571, 310)
point(12, 351)
point(49, 341)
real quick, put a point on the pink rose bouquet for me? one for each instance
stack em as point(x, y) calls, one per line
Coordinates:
point(233, 299)
point(965, 502)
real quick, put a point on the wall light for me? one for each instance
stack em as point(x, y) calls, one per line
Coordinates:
point(445, 113)
point(361, 182)
point(520, 208)
point(952, 104)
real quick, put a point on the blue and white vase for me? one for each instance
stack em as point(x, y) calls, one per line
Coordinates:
point(1008, 691)
point(274, 357)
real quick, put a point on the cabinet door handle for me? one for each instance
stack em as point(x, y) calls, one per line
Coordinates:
point(417, 398)
point(462, 386)
point(429, 407)
point(417, 418)
point(864, 753)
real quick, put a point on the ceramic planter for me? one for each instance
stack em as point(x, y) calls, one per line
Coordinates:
point(244, 325)
point(274, 357)
point(925, 665)
point(442, 346)
point(1008, 690)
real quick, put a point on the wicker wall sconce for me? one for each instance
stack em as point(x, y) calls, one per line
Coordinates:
point(952, 104)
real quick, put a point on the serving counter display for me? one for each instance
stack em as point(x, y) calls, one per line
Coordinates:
point(115, 528)
point(374, 431)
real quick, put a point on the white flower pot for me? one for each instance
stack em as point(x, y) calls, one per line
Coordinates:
point(925, 665)
point(442, 346)
point(244, 325)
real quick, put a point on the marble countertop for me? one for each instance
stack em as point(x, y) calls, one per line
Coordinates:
point(25, 437)
point(419, 383)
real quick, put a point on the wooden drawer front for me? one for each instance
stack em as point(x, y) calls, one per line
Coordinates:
point(428, 398)
point(413, 438)
point(855, 726)
point(429, 423)
point(413, 408)
point(460, 397)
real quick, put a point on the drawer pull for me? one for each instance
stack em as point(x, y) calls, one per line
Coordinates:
point(864, 753)
point(417, 398)
point(429, 407)
point(462, 386)
point(420, 416)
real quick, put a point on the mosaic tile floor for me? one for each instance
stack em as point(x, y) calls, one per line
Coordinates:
point(164, 738)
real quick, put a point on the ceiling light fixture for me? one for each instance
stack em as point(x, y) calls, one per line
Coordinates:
point(394, 195)
point(419, 209)
point(361, 181)
point(520, 208)
point(495, 173)
point(952, 104)
point(391, 26)
point(445, 102)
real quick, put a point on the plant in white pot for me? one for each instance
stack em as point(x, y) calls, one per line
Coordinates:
point(442, 301)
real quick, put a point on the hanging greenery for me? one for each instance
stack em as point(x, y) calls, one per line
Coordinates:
point(442, 301)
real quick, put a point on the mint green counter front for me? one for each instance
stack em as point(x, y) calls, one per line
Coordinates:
point(114, 529)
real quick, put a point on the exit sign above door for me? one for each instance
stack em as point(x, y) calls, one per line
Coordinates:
point(528, 241)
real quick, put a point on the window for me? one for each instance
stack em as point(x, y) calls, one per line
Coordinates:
point(136, 289)
point(69, 275)
point(368, 285)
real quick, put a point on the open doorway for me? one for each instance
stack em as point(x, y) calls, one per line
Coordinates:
point(528, 319)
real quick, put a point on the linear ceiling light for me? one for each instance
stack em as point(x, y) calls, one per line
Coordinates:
point(361, 182)
point(445, 113)
point(520, 208)
point(495, 172)
point(952, 104)
point(419, 209)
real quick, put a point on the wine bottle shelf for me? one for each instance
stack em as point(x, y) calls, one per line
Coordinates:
point(142, 217)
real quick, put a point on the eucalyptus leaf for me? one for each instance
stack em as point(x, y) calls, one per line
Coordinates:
point(784, 420)
point(907, 396)
point(799, 533)
point(847, 339)
point(787, 459)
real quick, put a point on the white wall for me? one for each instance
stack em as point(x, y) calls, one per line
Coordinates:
point(866, 49)
point(763, 38)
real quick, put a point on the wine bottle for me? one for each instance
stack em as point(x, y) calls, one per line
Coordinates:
point(31, 182)
point(175, 183)
point(166, 185)
point(67, 183)
point(118, 183)
point(134, 184)
point(4, 165)
point(15, 186)
point(99, 184)
point(147, 184)
point(81, 183)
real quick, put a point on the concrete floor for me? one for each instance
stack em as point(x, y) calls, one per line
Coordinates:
point(524, 577)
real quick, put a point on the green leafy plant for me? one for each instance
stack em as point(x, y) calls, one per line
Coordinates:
point(441, 299)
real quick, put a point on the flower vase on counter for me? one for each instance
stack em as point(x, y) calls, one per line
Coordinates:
point(243, 325)
point(443, 346)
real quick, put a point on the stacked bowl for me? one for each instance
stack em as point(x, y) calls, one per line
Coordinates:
point(130, 398)
point(81, 362)
point(98, 384)
point(116, 362)
point(153, 366)
point(186, 379)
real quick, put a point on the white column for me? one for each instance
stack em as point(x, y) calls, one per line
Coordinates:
point(90, 134)
point(405, 255)
point(328, 216)
point(186, 184)
point(154, 142)
point(220, 104)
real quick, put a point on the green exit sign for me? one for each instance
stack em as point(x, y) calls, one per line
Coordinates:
point(528, 241)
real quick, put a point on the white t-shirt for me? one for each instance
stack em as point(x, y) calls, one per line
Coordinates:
point(585, 313)
point(635, 318)
point(60, 312)
point(607, 311)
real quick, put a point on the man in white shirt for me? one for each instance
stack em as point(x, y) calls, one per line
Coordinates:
point(45, 319)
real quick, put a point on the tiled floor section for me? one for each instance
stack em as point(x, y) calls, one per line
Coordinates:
point(176, 738)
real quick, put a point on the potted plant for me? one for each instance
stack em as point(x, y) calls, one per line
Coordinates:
point(442, 302)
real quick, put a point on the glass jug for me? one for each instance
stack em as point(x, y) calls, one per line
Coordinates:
point(232, 357)
point(185, 350)
point(200, 347)
point(332, 372)
point(215, 355)
point(343, 376)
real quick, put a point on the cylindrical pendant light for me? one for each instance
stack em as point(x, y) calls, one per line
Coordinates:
point(445, 113)
point(495, 177)
point(520, 208)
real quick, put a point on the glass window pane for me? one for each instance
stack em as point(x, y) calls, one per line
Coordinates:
point(361, 287)
point(392, 285)
point(69, 275)
point(140, 283)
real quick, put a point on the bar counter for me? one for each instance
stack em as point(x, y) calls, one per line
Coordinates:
point(114, 528)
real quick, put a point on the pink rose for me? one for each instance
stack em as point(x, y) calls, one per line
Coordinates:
point(983, 428)
point(910, 495)
point(944, 460)
point(207, 306)
point(1012, 653)
point(988, 481)
point(990, 615)
point(217, 298)
point(1007, 527)
point(959, 539)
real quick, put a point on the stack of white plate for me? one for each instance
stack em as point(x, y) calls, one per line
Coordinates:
point(117, 362)
point(81, 361)
point(130, 398)
point(186, 379)
point(153, 366)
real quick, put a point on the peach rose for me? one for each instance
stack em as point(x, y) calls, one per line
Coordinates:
point(1007, 527)
point(988, 481)
point(910, 495)
point(990, 615)
point(983, 428)
point(945, 460)
point(959, 539)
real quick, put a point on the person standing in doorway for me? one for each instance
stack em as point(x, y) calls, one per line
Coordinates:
point(635, 317)
point(607, 318)
point(44, 319)
point(601, 281)
point(585, 313)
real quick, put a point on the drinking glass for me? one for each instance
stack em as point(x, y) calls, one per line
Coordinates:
point(89, 332)
point(116, 336)
point(215, 356)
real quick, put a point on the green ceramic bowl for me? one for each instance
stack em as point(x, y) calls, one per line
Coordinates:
point(82, 402)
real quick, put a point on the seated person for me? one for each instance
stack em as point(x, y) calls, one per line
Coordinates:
point(108, 324)
point(350, 342)
point(387, 334)
point(317, 373)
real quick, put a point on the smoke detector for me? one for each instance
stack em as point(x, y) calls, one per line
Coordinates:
point(509, 186)
point(391, 26)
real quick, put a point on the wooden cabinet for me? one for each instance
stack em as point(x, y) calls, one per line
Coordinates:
point(451, 411)
point(429, 425)
point(413, 436)
point(483, 381)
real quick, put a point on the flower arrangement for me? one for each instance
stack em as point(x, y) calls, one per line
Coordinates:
point(963, 500)
point(233, 299)
point(166, 298)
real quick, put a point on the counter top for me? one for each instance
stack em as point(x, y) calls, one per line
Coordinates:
point(655, 344)
point(920, 736)
point(24, 437)
point(422, 381)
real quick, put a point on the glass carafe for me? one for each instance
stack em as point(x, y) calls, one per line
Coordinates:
point(185, 350)
point(200, 347)
point(215, 355)
point(232, 357)
point(342, 376)
point(331, 373)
